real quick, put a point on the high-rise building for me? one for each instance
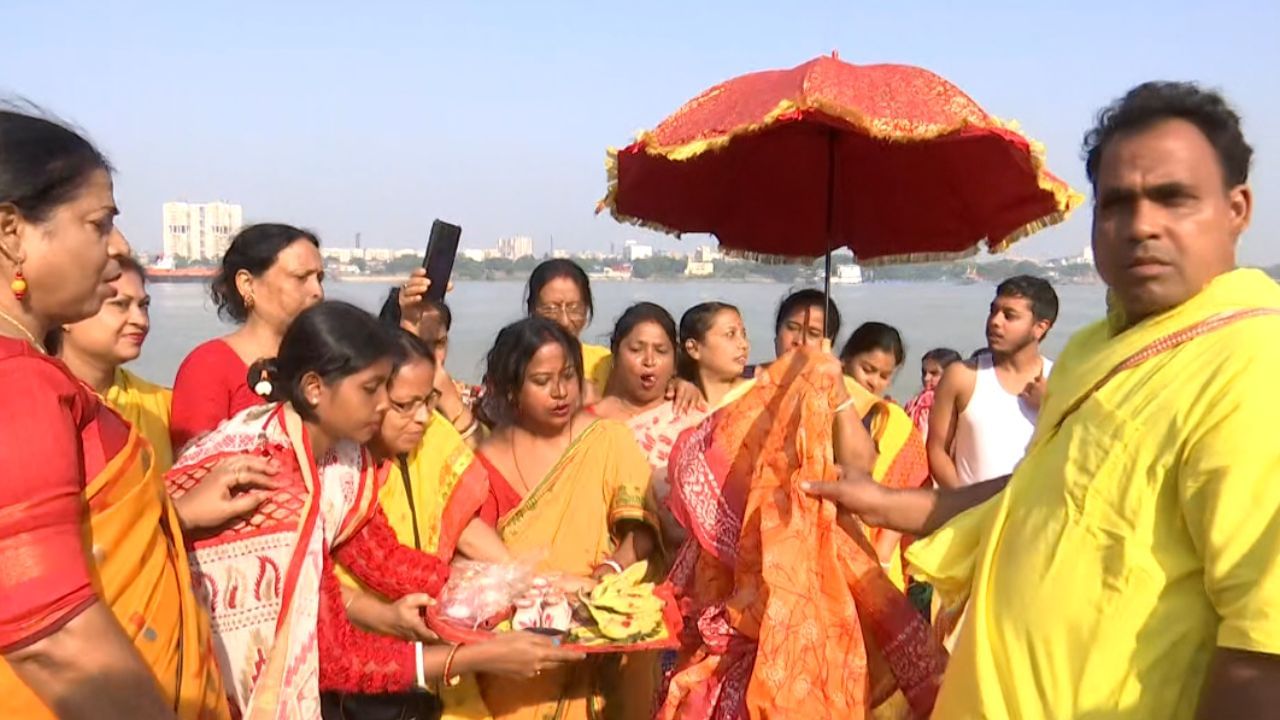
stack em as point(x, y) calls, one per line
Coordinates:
point(632, 251)
point(514, 248)
point(200, 231)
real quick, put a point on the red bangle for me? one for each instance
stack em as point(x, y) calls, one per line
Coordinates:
point(449, 679)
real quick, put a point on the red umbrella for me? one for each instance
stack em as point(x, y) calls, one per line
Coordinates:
point(891, 161)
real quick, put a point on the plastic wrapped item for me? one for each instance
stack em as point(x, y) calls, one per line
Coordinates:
point(480, 595)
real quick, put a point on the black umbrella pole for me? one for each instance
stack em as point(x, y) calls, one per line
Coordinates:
point(826, 289)
point(831, 229)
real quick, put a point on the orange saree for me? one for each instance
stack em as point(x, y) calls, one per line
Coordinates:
point(139, 570)
point(786, 615)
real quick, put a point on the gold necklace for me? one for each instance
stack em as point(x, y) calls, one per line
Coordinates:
point(515, 459)
point(23, 329)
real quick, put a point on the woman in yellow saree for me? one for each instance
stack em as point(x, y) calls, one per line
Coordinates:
point(562, 487)
point(871, 357)
point(96, 349)
point(98, 617)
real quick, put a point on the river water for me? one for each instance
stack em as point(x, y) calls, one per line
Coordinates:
point(928, 315)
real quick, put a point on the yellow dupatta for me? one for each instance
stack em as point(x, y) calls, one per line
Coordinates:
point(146, 406)
point(571, 515)
point(140, 571)
point(901, 461)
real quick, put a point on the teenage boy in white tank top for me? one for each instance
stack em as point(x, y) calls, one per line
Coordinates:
point(984, 410)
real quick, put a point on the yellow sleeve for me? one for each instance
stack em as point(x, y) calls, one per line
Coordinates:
point(1229, 485)
point(597, 363)
point(948, 559)
point(631, 496)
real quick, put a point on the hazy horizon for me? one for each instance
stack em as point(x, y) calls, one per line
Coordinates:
point(497, 117)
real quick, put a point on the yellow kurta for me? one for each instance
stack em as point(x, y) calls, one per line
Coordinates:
point(146, 406)
point(1136, 538)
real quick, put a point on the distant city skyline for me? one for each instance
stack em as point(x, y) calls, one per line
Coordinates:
point(350, 121)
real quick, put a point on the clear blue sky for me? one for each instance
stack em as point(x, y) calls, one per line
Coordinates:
point(379, 116)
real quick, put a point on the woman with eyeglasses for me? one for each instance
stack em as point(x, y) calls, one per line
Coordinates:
point(560, 291)
point(412, 496)
point(407, 307)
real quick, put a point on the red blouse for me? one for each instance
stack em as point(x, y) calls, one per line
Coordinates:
point(355, 661)
point(54, 433)
point(502, 499)
point(210, 387)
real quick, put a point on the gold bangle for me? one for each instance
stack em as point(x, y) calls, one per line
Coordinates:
point(446, 678)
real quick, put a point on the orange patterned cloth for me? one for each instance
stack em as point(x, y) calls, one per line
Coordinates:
point(891, 160)
point(786, 615)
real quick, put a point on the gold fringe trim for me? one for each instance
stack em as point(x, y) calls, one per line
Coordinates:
point(609, 201)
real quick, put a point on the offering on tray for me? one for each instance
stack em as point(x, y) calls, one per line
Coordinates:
point(481, 594)
point(543, 606)
point(621, 613)
point(621, 608)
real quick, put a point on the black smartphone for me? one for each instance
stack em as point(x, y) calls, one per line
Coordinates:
point(549, 632)
point(442, 248)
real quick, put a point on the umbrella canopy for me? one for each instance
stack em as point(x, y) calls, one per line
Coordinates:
point(891, 161)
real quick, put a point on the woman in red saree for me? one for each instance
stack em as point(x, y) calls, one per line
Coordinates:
point(280, 630)
point(97, 614)
point(932, 365)
point(786, 615)
point(269, 274)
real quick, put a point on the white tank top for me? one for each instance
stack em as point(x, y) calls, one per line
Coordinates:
point(995, 428)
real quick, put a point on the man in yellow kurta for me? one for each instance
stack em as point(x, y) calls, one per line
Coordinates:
point(1131, 567)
